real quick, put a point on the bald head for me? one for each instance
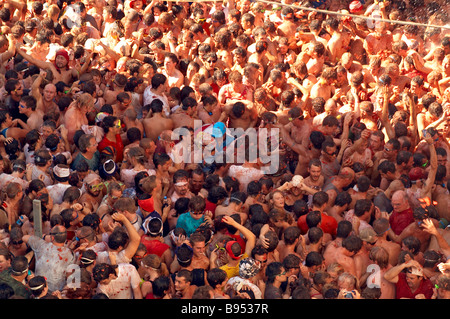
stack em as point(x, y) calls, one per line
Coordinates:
point(399, 201)
point(49, 92)
point(399, 195)
point(346, 174)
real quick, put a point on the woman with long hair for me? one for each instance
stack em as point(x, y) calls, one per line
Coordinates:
point(112, 127)
point(151, 268)
point(75, 116)
point(134, 163)
point(11, 201)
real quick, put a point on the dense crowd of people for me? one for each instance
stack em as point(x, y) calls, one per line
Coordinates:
point(106, 105)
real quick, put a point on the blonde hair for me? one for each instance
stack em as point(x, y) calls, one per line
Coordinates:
point(138, 153)
point(380, 256)
point(84, 99)
point(148, 184)
point(153, 261)
point(347, 281)
point(53, 10)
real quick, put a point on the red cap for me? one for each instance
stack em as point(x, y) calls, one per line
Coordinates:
point(63, 53)
point(355, 6)
point(416, 173)
point(230, 252)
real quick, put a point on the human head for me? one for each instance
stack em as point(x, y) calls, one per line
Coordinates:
point(399, 201)
point(275, 271)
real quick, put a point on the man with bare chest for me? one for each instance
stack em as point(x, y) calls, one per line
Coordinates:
point(60, 68)
point(379, 40)
point(185, 116)
point(287, 28)
point(157, 123)
point(241, 116)
point(315, 180)
point(199, 258)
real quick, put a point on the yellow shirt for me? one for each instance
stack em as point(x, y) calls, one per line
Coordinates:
point(233, 271)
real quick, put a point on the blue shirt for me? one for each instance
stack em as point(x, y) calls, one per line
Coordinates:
point(188, 223)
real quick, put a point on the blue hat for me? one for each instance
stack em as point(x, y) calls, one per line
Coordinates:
point(219, 129)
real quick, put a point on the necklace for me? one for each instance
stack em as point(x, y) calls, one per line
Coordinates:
point(209, 113)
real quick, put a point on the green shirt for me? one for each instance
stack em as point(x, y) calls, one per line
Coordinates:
point(19, 288)
point(93, 163)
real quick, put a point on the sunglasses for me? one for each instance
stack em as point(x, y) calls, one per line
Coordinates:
point(301, 117)
point(96, 187)
point(332, 154)
point(75, 217)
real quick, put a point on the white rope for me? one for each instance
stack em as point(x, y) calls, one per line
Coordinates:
point(354, 15)
point(333, 13)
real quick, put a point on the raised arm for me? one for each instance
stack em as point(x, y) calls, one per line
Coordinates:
point(5, 56)
point(248, 234)
point(392, 274)
point(135, 239)
point(40, 64)
point(110, 52)
point(385, 114)
point(430, 228)
point(433, 168)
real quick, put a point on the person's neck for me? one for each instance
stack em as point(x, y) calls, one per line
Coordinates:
point(89, 155)
point(17, 174)
point(110, 135)
point(248, 164)
point(277, 283)
point(47, 103)
point(28, 112)
point(170, 72)
point(138, 167)
point(158, 91)
point(12, 202)
point(16, 97)
point(58, 244)
point(19, 278)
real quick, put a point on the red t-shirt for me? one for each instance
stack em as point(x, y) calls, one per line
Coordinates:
point(154, 246)
point(328, 224)
point(211, 207)
point(118, 146)
point(403, 290)
point(399, 220)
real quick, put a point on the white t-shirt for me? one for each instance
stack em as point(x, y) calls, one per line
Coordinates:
point(245, 175)
point(127, 175)
point(5, 179)
point(122, 287)
point(56, 192)
point(103, 257)
point(51, 262)
point(149, 96)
